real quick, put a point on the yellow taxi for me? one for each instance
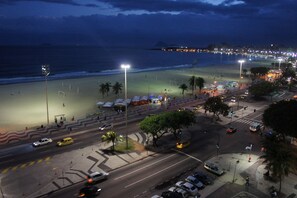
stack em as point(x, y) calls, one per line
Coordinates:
point(183, 144)
point(65, 141)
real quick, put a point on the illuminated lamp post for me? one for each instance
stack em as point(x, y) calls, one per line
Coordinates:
point(279, 62)
point(240, 71)
point(125, 67)
point(46, 71)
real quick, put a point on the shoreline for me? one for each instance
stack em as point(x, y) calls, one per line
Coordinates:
point(23, 104)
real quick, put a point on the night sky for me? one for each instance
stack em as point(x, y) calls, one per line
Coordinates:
point(143, 23)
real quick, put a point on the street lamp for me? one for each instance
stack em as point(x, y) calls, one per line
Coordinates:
point(125, 67)
point(279, 62)
point(237, 162)
point(46, 71)
point(240, 69)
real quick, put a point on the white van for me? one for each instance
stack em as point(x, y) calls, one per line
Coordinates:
point(255, 127)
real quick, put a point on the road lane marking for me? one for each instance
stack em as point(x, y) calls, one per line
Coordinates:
point(39, 161)
point(23, 165)
point(155, 173)
point(144, 167)
point(190, 156)
point(5, 171)
point(14, 168)
point(31, 163)
point(47, 159)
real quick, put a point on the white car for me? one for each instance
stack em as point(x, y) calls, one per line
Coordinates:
point(211, 167)
point(42, 142)
point(190, 188)
point(183, 193)
point(233, 99)
point(195, 181)
point(105, 126)
point(255, 127)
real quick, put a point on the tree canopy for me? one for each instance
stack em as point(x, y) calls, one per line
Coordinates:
point(262, 88)
point(282, 117)
point(216, 106)
point(259, 71)
point(167, 122)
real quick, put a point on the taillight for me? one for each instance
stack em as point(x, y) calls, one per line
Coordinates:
point(90, 180)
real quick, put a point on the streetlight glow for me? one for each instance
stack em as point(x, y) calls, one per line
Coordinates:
point(279, 62)
point(46, 71)
point(125, 67)
point(240, 69)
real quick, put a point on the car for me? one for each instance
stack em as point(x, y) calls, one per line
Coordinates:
point(233, 99)
point(89, 191)
point(203, 177)
point(187, 186)
point(255, 127)
point(246, 92)
point(42, 141)
point(195, 181)
point(182, 144)
point(105, 126)
point(176, 192)
point(231, 130)
point(65, 141)
point(97, 176)
point(211, 167)
point(295, 97)
point(156, 196)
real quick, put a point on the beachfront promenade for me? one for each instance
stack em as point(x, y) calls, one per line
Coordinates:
point(70, 168)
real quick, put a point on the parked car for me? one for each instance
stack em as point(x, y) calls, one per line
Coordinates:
point(211, 167)
point(89, 191)
point(42, 142)
point(203, 177)
point(187, 186)
point(231, 130)
point(177, 190)
point(65, 141)
point(106, 126)
point(174, 194)
point(246, 92)
point(182, 144)
point(195, 181)
point(97, 176)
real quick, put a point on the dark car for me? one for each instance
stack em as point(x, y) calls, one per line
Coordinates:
point(231, 130)
point(169, 194)
point(89, 191)
point(203, 177)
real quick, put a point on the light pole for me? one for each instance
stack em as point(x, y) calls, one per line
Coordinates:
point(237, 162)
point(279, 62)
point(240, 69)
point(125, 67)
point(46, 71)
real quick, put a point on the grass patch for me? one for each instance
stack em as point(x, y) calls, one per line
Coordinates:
point(121, 145)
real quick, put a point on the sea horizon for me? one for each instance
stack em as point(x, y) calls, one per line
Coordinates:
point(22, 64)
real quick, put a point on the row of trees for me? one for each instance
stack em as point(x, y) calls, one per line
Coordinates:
point(194, 82)
point(104, 88)
point(279, 157)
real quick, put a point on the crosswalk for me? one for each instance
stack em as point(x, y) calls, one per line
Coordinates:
point(25, 165)
point(248, 121)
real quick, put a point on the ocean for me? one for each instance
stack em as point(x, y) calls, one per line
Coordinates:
point(19, 64)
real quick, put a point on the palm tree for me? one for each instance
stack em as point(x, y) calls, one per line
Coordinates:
point(278, 158)
point(110, 136)
point(102, 89)
point(107, 87)
point(183, 87)
point(192, 83)
point(200, 83)
point(117, 88)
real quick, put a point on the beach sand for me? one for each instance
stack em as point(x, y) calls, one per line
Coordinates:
point(24, 105)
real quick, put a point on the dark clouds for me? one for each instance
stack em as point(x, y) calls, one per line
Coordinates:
point(187, 22)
